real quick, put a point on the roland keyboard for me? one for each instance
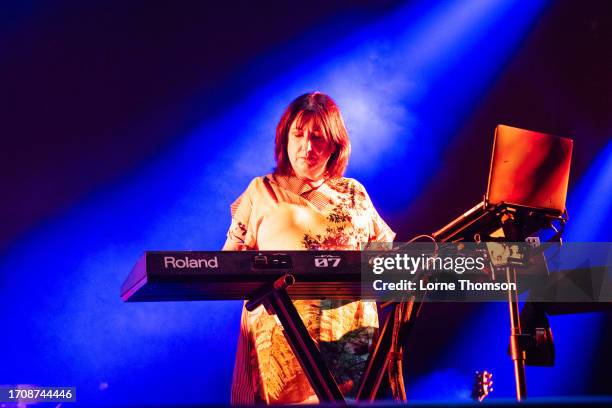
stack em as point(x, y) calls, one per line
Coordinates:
point(238, 275)
point(233, 275)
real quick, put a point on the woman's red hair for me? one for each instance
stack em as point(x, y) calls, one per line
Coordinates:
point(323, 110)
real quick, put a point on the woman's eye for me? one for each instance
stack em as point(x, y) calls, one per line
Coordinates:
point(317, 137)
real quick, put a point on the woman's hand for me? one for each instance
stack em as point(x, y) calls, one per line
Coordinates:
point(233, 246)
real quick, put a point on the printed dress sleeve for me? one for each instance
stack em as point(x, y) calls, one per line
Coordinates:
point(242, 210)
point(378, 228)
point(243, 389)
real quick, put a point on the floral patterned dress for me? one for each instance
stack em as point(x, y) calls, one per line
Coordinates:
point(285, 213)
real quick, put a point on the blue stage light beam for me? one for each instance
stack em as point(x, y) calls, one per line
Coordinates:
point(406, 83)
point(591, 202)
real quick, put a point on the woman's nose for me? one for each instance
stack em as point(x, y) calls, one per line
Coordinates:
point(308, 145)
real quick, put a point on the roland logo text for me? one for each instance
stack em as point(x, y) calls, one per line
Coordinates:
point(190, 263)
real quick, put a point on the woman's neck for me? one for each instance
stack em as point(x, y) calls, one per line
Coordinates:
point(313, 183)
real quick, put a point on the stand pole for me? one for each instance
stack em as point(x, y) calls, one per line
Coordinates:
point(388, 350)
point(513, 233)
point(516, 348)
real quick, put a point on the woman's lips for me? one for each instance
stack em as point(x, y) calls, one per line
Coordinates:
point(309, 160)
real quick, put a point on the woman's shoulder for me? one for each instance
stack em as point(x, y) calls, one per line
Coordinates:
point(261, 190)
point(257, 183)
point(346, 185)
point(255, 187)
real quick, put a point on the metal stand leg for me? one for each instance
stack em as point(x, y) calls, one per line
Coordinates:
point(517, 350)
point(513, 233)
point(275, 299)
point(378, 361)
point(388, 350)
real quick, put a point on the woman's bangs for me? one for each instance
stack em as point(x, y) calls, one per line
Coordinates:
point(317, 118)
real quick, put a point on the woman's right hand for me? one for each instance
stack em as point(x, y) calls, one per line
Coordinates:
point(233, 246)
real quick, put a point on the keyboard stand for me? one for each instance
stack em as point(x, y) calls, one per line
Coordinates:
point(388, 350)
point(275, 299)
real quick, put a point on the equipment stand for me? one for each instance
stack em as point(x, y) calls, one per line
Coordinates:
point(387, 354)
point(517, 343)
point(275, 299)
point(518, 340)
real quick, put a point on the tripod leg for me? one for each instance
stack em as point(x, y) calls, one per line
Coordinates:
point(276, 300)
point(304, 348)
point(378, 361)
point(516, 350)
point(386, 358)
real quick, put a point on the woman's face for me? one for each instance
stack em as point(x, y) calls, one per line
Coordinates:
point(308, 150)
